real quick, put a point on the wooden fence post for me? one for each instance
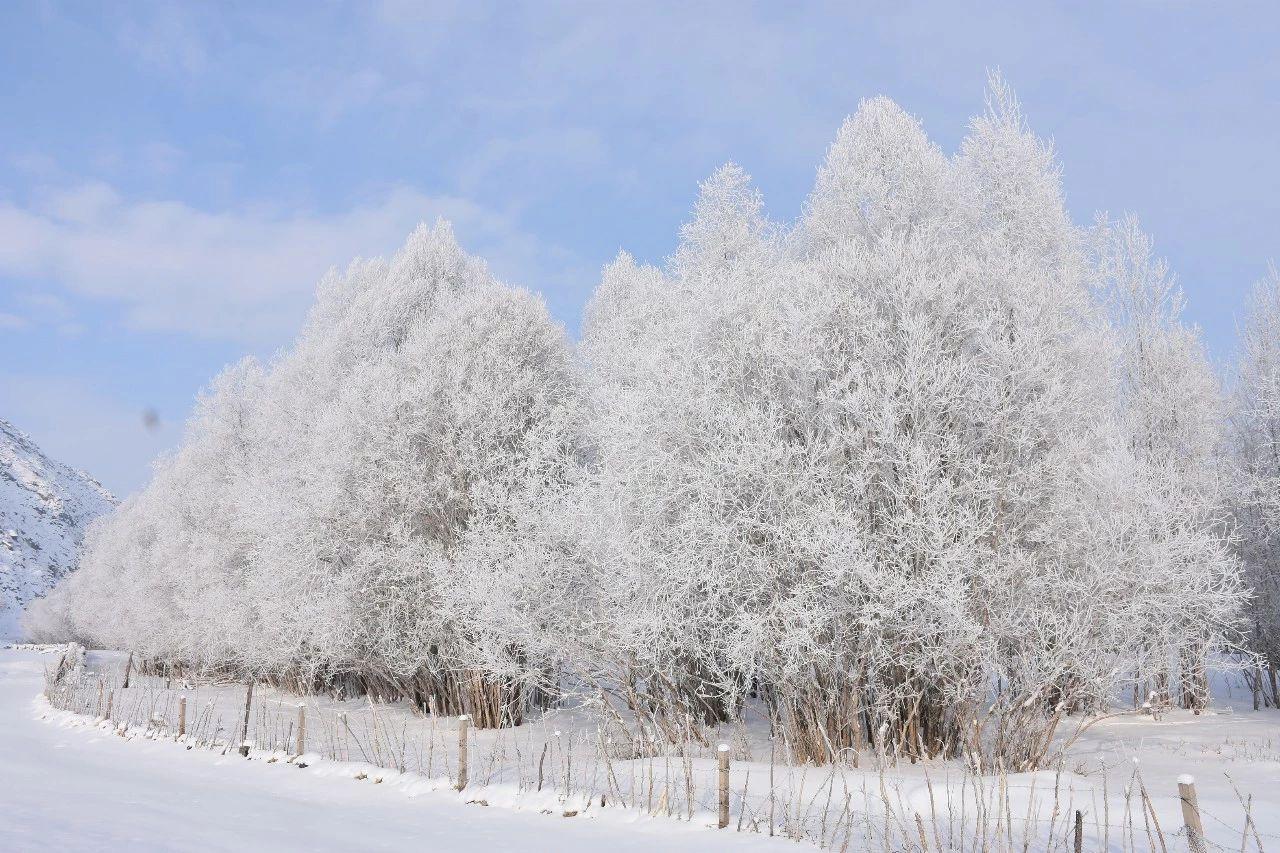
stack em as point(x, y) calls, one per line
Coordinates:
point(244, 739)
point(128, 668)
point(302, 728)
point(463, 724)
point(182, 715)
point(723, 754)
point(98, 709)
point(1079, 839)
point(111, 697)
point(1191, 813)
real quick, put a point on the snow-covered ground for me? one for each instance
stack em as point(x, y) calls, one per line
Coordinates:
point(69, 780)
point(68, 787)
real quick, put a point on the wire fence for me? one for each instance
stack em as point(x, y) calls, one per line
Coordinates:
point(585, 765)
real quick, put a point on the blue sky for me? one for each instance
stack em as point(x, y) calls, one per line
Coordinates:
point(174, 178)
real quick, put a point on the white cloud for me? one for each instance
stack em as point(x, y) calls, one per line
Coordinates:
point(42, 308)
point(327, 94)
point(12, 321)
point(35, 164)
point(168, 36)
point(149, 159)
point(245, 274)
point(502, 161)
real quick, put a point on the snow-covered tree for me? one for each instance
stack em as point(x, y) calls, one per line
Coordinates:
point(369, 512)
point(1171, 408)
point(690, 468)
point(923, 472)
point(876, 469)
point(1255, 428)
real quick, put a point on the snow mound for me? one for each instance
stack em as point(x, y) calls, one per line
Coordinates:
point(45, 507)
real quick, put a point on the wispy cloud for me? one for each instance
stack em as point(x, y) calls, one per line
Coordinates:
point(243, 274)
point(169, 37)
point(327, 95)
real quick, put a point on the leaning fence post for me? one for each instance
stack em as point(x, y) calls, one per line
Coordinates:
point(1079, 839)
point(244, 740)
point(182, 715)
point(723, 754)
point(128, 668)
point(1191, 813)
point(111, 696)
point(463, 725)
point(302, 728)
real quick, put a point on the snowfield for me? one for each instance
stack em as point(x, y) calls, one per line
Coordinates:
point(66, 786)
point(72, 782)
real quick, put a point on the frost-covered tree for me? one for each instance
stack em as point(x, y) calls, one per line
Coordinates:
point(164, 575)
point(690, 461)
point(369, 513)
point(979, 435)
point(923, 472)
point(1171, 409)
point(875, 470)
point(1255, 427)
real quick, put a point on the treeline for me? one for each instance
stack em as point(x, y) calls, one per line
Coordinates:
point(922, 471)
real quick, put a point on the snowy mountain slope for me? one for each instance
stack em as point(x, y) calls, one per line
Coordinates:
point(45, 507)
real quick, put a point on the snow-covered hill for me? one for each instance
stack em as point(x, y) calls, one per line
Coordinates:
point(45, 507)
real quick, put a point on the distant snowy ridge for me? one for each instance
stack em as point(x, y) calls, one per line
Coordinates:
point(45, 507)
